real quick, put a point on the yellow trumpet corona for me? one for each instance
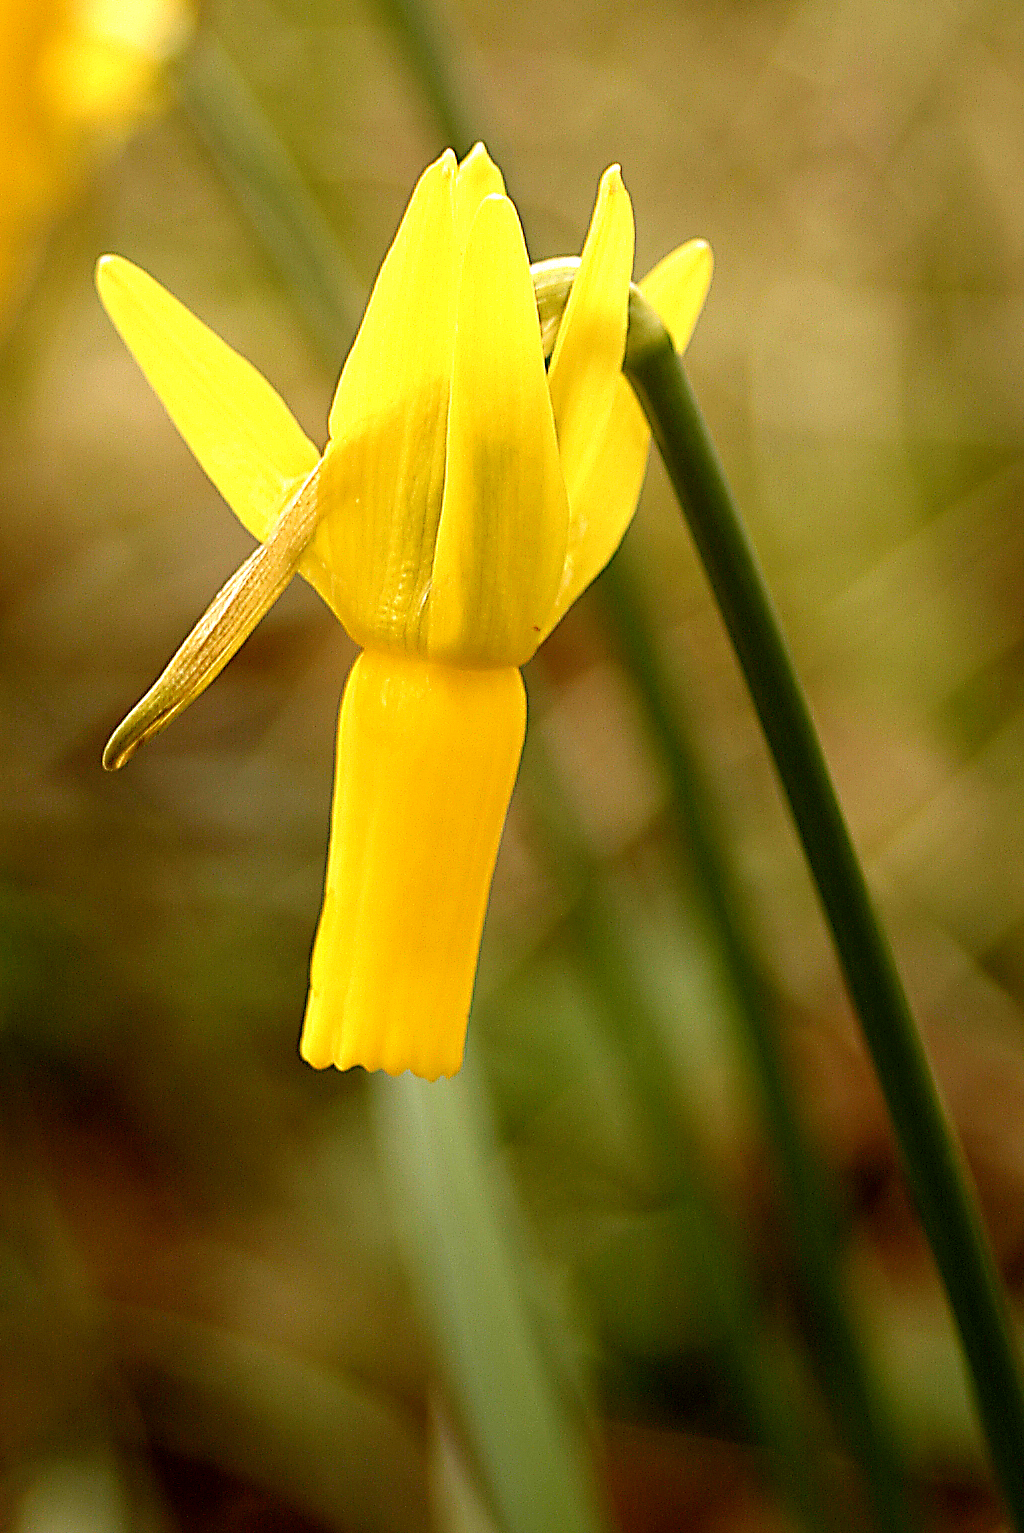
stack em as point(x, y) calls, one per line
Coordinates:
point(466, 497)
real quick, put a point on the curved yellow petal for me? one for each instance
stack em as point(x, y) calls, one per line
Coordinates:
point(241, 431)
point(501, 537)
point(383, 471)
point(605, 503)
point(586, 365)
point(427, 759)
point(478, 178)
point(678, 286)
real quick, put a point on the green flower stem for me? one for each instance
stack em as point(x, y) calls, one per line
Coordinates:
point(934, 1164)
point(247, 150)
point(846, 1373)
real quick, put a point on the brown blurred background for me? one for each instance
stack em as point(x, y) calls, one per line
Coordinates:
point(209, 1316)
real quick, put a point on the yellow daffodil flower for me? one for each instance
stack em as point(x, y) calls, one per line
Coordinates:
point(71, 72)
point(466, 496)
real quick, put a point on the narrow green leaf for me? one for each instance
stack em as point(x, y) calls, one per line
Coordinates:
point(452, 1206)
point(271, 191)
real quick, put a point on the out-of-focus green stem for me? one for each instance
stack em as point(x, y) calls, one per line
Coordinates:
point(845, 1369)
point(775, 1408)
point(454, 1213)
point(935, 1168)
point(430, 56)
point(269, 187)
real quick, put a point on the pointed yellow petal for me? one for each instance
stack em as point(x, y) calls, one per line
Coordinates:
point(677, 288)
point(478, 178)
point(606, 501)
point(383, 472)
point(427, 759)
point(501, 538)
point(242, 432)
point(586, 365)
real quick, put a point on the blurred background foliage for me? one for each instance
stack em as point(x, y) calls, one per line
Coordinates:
point(567, 1289)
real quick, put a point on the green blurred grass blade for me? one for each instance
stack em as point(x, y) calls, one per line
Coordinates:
point(935, 1167)
point(763, 1377)
point(457, 1502)
point(270, 189)
point(430, 54)
point(451, 1206)
point(843, 1364)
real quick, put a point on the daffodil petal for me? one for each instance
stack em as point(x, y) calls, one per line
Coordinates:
point(587, 360)
point(241, 431)
point(478, 178)
point(677, 288)
point(501, 537)
point(585, 375)
point(606, 501)
point(383, 471)
point(427, 759)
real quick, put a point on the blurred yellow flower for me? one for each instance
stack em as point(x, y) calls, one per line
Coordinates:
point(71, 73)
point(466, 497)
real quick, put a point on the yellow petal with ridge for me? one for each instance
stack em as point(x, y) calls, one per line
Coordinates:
point(478, 178)
point(501, 537)
point(677, 287)
point(383, 471)
point(241, 431)
point(586, 366)
point(427, 759)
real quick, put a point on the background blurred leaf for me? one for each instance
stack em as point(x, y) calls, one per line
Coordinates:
point(449, 1206)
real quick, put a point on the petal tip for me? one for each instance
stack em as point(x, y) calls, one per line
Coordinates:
point(494, 209)
point(705, 256)
point(444, 169)
point(703, 265)
point(108, 269)
point(612, 189)
point(678, 287)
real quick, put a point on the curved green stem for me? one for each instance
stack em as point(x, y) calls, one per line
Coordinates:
point(933, 1160)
